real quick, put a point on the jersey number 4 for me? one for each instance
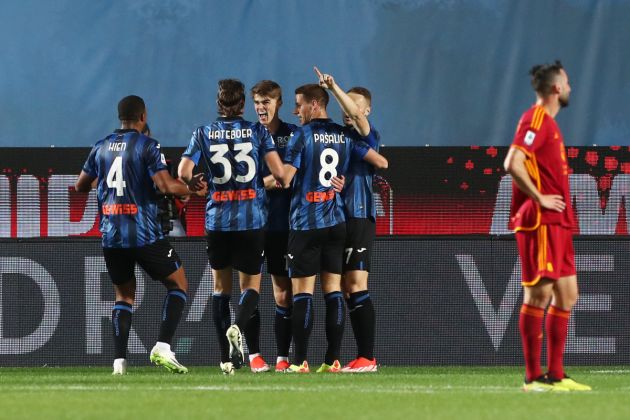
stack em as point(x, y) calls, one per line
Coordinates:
point(115, 177)
point(243, 149)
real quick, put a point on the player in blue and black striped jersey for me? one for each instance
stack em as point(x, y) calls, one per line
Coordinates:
point(360, 224)
point(317, 152)
point(267, 98)
point(128, 166)
point(233, 152)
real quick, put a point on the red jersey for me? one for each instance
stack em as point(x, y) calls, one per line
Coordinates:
point(539, 137)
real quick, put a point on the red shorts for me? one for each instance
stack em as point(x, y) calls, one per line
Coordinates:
point(546, 252)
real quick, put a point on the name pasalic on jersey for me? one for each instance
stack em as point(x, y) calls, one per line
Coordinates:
point(327, 138)
point(230, 134)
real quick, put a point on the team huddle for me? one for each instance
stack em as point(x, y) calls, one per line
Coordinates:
point(301, 197)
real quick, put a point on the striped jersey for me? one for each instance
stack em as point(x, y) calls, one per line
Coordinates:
point(231, 153)
point(358, 192)
point(279, 200)
point(124, 163)
point(539, 137)
point(320, 150)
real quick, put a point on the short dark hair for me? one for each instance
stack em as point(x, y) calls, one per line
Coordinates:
point(230, 97)
point(543, 76)
point(363, 92)
point(313, 92)
point(267, 88)
point(130, 108)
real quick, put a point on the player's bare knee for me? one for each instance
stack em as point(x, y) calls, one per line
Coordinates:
point(564, 301)
point(126, 292)
point(177, 280)
point(283, 298)
point(537, 296)
point(350, 286)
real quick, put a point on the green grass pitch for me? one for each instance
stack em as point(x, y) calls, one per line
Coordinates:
point(392, 393)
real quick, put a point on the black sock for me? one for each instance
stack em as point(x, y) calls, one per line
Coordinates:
point(302, 324)
point(222, 321)
point(282, 328)
point(172, 309)
point(335, 321)
point(247, 304)
point(363, 320)
point(252, 333)
point(121, 322)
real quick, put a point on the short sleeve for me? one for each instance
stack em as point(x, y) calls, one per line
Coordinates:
point(530, 132)
point(295, 146)
point(359, 149)
point(372, 138)
point(266, 141)
point(193, 151)
point(90, 167)
point(153, 158)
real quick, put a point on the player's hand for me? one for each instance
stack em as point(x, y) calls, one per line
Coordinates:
point(197, 183)
point(203, 188)
point(553, 202)
point(338, 182)
point(325, 80)
point(270, 183)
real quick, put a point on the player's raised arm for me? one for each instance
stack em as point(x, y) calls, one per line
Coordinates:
point(348, 106)
point(514, 164)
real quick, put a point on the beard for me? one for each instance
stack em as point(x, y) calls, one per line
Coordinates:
point(564, 102)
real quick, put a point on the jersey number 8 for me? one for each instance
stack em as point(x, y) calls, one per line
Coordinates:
point(243, 150)
point(329, 168)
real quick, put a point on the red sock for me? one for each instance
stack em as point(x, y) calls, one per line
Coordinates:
point(556, 326)
point(531, 327)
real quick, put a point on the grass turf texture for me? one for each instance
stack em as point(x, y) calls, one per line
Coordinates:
point(405, 393)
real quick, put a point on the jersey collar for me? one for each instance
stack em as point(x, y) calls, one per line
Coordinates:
point(230, 119)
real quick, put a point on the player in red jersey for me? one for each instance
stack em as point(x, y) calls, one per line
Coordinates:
point(542, 217)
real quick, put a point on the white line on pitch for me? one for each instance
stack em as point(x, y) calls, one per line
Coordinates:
point(617, 371)
point(412, 389)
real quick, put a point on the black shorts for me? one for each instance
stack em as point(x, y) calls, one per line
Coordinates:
point(242, 250)
point(313, 251)
point(158, 259)
point(360, 235)
point(276, 243)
